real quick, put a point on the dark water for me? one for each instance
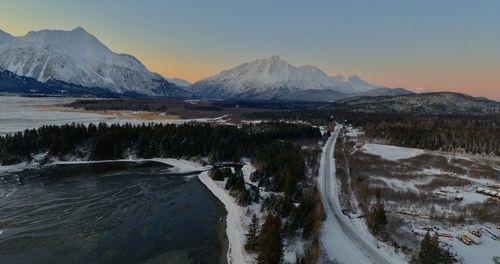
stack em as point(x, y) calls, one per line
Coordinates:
point(109, 213)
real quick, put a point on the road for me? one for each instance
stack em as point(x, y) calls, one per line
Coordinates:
point(342, 241)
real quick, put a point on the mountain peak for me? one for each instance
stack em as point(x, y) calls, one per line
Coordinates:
point(79, 29)
point(274, 58)
point(356, 78)
point(78, 57)
point(77, 35)
point(272, 77)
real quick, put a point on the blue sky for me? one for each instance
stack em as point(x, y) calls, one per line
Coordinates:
point(439, 45)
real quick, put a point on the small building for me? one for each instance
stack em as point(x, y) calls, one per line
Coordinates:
point(449, 189)
point(459, 197)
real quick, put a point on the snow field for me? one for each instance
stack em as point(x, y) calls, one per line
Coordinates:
point(391, 152)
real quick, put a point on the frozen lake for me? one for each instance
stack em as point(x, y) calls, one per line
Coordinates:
point(20, 113)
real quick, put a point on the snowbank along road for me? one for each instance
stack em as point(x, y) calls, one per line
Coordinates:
point(341, 240)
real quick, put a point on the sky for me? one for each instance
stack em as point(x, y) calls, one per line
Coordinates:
point(445, 45)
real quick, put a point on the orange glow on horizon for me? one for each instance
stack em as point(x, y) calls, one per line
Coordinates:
point(480, 82)
point(475, 84)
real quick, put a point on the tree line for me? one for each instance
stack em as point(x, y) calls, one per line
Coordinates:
point(107, 142)
point(476, 134)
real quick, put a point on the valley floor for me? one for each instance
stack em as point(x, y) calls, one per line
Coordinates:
point(423, 191)
point(20, 113)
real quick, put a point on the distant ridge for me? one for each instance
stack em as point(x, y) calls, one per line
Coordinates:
point(423, 103)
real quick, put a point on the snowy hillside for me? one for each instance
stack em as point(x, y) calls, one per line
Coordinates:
point(13, 83)
point(274, 78)
point(78, 57)
point(179, 82)
point(424, 103)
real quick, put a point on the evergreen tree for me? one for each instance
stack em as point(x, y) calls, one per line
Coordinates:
point(379, 218)
point(217, 175)
point(252, 236)
point(431, 253)
point(231, 180)
point(270, 241)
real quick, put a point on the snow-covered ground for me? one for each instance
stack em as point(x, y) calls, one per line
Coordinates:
point(437, 172)
point(391, 152)
point(354, 132)
point(474, 253)
point(406, 185)
point(481, 253)
point(468, 193)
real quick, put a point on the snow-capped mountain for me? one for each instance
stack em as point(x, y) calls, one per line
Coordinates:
point(78, 57)
point(274, 78)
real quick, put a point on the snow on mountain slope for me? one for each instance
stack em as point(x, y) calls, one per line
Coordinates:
point(78, 57)
point(16, 84)
point(179, 82)
point(275, 78)
point(4, 36)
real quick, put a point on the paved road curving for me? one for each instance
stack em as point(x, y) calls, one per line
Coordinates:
point(342, 241)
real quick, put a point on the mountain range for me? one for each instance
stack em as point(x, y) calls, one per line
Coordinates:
point(78, 58)
point(76, 63)
point(274, 78)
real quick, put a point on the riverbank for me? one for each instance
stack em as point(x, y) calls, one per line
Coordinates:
point(235, 232)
